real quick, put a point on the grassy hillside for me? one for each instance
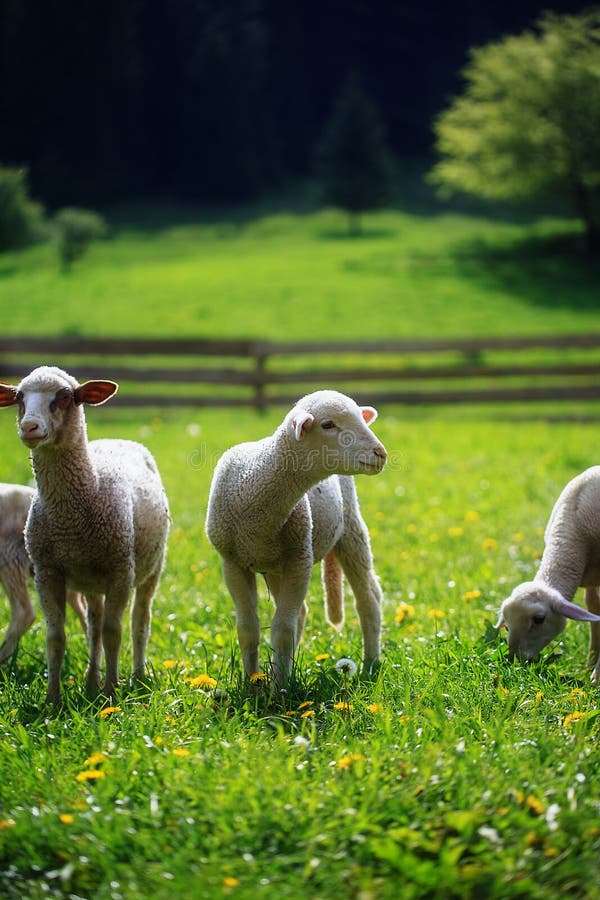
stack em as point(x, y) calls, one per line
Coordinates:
point(301, 275)
point(452, 772)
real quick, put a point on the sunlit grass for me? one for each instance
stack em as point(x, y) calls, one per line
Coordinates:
point(451, 771)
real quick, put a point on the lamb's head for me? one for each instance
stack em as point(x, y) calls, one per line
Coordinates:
point(535, 614)
point(49, 404)
point(334, 434)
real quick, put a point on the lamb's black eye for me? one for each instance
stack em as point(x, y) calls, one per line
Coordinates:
point(327, 424)
point(538, 620)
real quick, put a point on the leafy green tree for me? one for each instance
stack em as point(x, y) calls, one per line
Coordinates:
point(528, 122)
point(76, 229)
point(20, 218)
point(352, 159)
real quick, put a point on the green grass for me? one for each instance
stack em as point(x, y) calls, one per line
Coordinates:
point(284, 275)
point(452, 773)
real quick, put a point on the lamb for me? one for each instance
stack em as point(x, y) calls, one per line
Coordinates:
point(15, 567)
point(281, 504)
point(536, 611)
point(98, 523)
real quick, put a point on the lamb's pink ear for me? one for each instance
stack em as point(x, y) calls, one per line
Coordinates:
point(301, 422)
point(95, 392)
point(8, 394)
point(573, 611)
point(500, 623)
point(369, 414)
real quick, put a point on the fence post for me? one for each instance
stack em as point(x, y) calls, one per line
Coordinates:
point(260, 400)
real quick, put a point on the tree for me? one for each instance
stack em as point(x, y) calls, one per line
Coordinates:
point(76, 229)
point(528, 122)
point(20, 218)
point(352, 158)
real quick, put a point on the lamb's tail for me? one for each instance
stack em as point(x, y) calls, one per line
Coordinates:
point(332, 576)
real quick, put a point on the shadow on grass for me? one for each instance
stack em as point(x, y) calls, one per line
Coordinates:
point(550, 271)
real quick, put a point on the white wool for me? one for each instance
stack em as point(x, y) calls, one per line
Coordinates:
point(15, 567)
point(283, 503)
point(98, 523)
point(536, 612)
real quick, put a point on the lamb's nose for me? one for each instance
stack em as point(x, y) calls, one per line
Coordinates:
point(380, 452)
point(29, 426)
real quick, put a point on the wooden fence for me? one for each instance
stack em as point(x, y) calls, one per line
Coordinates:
point(198, 372)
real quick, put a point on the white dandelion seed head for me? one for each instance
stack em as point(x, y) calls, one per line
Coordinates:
point(347, 666)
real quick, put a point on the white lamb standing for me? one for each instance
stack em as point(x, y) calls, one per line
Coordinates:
point(536, 612)
point(281, 504)
point(15, 567)
point(98, 523)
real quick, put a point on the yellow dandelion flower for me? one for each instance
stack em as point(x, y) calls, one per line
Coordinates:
point(518, 536)
point(203, 681)
point(435, 613)
point(532, 839)
point(346, 761)
point(95, 759)
point(307, 714)
point(403, 719)
point(538, 697)
point(535, 806)
point(374, 708)
point(231, 882)
point(305, 703)
point(550, 852)
point(472, 515)
point(404, 555)
point(90, 775)
point(158, 741)
point(181, 751)
point(380, 516)
point(290, 712)
point(66, 818)
point(321, 657)
point(489, 543)
point(109, 710)
point(411, 528)
point(572, 717)
point(5, 824)
point(257, 677)
point(455, 531)
point(472, 595)
point(343, 705)
point(504, 691)
point(169, 664)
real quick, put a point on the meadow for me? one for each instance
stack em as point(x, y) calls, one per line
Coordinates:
point(451, 772)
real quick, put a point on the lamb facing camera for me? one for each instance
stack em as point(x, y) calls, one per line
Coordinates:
point(98, 523)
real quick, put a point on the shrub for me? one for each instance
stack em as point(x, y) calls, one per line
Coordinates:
point(76, 229)
point(20, 218)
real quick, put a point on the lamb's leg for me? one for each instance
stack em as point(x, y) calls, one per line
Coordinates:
point(115, 602)
point(77, 603)
point(241, 584)
point(288, 621)
point(141, 614)
point(95, 609)
point(354, 554)
point(51, 591)
point(22, 613)
point(592, 600)
point(274, 585)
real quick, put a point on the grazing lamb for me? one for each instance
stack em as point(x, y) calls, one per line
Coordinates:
point(15, 567)
point(536, 611)
point(281, 504)
point(98, 523)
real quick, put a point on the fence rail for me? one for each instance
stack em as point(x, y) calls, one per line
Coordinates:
point(259, 373)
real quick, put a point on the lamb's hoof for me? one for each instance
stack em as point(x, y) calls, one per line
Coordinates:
point(92, 684)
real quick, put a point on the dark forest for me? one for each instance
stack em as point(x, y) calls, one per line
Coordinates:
point(218, 101)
